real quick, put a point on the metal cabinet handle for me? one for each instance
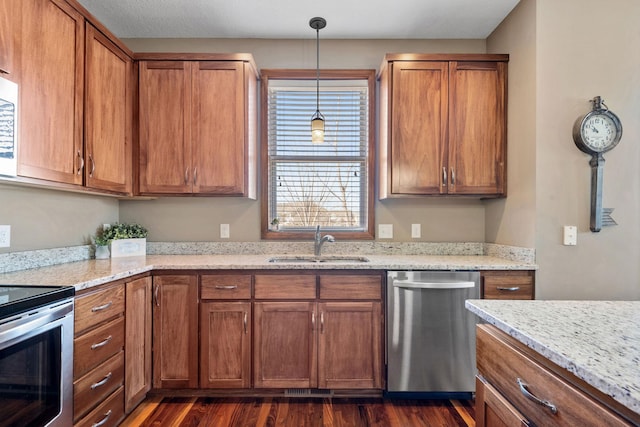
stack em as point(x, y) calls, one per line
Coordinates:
point(186, 176)
point(226, 287)
point(101, 343)
point(104, 420)
point(511, 289)
point(313, 321)
point(101, 307)
point(322, 322)
point(93, 166)
point(155, 295)
point(244, 320)
point(453, 176)
point(102, 381)
point(523, 388)
point(195, 176)
point(444, 177)
point(81, 163)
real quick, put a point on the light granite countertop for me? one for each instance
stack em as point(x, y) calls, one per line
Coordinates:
point(85, 274)
point(598, 341)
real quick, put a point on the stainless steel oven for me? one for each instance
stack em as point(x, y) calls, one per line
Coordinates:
point(36, 356)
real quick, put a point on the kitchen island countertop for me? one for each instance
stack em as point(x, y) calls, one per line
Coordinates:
point(597, 341)
point(85, 274)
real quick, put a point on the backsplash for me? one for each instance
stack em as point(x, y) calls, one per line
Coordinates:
point(15, 261)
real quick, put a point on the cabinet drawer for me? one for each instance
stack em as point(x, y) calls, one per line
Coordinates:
point(350, 287)
point(92, 388)
point(502, 364)
point(93, 348)
point(108, 414)
point(508, 286)
point(285, 286)
point(225, 286)
point(96, 307)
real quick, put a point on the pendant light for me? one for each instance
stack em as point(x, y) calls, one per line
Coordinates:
point(317, 120)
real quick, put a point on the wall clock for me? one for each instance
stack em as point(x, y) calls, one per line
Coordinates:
point(595, 133)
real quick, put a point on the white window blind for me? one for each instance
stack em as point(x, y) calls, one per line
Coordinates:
point(318, 184)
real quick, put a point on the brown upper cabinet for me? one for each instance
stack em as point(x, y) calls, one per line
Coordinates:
point(51, 91)
point(197, 125)
point(443, 125)
point(10, 18)
point(108, 114)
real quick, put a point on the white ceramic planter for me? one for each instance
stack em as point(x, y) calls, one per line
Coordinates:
point(128, 247)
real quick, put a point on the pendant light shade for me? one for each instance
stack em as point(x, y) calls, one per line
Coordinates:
point(317, 120)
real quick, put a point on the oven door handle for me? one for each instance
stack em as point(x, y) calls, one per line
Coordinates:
point(25, 325)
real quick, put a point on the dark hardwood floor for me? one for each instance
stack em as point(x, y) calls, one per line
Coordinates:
point(300, 412)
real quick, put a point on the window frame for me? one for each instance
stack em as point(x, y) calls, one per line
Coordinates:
point(310, 74)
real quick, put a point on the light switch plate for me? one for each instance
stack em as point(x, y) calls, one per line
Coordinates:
point(385, 231)
point(570, 235)
point(5, 236)
point(224, 231)
point(416, 231)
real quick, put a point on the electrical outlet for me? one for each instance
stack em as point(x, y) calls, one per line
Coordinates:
point(416, 231)
point(5, 236)
point(224, 231)
point(385, 231)
point(570, 235)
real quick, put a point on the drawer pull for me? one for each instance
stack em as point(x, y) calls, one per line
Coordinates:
point(523, 388)
point(101, 343)
point(102, 307)
point(226, 287)
point(101, 382)
point(511, 289)
point(102, 421)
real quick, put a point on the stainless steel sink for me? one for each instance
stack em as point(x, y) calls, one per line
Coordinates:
point(319, 259)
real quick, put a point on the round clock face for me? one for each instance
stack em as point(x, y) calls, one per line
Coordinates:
point(599, 131)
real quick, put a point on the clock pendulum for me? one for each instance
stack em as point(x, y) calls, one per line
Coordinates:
point(595, 133)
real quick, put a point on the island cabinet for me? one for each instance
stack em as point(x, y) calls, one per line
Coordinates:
point(175, 331)
point(197, 126)
point(517, 386)
point(225, 331)
point(98, 355)
point(51, 78)
point(443, 125)
point(318, 331)
point(503, 284)
point(108, 115)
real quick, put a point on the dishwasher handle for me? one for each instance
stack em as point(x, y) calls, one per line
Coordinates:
point(453, 284)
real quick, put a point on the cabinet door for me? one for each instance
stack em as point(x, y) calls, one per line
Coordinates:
point(165, 132)
point(175, 331)
point(477, 127)
point(285, 345)
point(350, 345)
point(10, 19)
point(137, 342)
point(419, 97)
point(218, 127)
point(225, 345)
point(493, 410)
point(51, 91)
point(107, 115)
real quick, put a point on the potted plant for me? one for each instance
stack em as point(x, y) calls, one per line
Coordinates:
point(126, 239)
point(275, 224)
point(102, 246)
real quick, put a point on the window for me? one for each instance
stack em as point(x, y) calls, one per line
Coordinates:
point(331, 184)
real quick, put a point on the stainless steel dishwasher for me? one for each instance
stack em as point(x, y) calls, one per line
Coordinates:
point(430, 334)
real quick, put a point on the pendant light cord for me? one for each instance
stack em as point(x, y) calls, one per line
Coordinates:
point(317, 69)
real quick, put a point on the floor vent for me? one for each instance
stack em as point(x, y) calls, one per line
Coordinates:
point(307, 392)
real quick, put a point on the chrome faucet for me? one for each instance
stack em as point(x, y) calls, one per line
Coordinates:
point(318, 241)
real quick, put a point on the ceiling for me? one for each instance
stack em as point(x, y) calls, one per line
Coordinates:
point(346, 19)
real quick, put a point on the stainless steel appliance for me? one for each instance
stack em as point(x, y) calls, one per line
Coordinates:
point(36, 356)
point(430, 334)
